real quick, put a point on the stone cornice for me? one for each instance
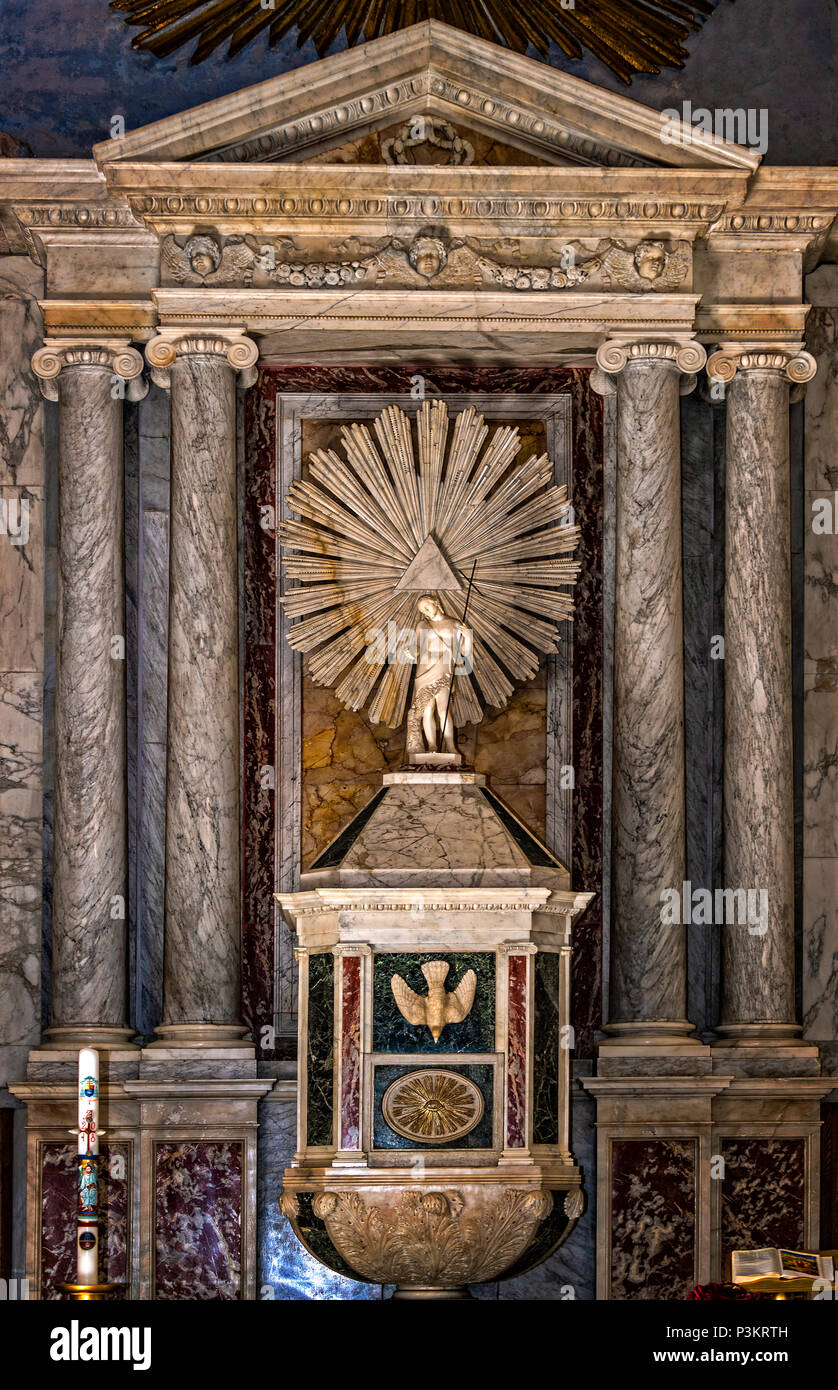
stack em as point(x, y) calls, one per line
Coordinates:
point(375, 199)
point(232, 1088)
point(135, 320)
point(790, 1087)
point(674, 1086)
point(778, 229)
point(65, 1092)
point(779, 325)
point(514, 98)
point(51, 180)
point(794, 186)
point(321, 901)
point(111, 216)
point(45, 203)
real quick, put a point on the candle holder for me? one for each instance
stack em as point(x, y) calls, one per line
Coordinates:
point(90, 1293)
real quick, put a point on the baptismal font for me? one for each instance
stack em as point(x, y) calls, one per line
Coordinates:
point(434, 933)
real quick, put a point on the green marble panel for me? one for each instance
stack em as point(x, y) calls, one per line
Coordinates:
point(545, 1124)
point(321, 1048)
point(392, 1032)
point(383, 1137)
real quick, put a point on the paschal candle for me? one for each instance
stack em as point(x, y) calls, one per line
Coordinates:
point(87, 1235)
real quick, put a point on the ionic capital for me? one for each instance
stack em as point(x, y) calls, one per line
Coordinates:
point(240, 352)
point(798, 366)
point(118, 359)
point(615, 354)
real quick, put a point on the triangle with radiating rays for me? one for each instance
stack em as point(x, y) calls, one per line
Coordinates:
point(428, 570)
point(412, 507)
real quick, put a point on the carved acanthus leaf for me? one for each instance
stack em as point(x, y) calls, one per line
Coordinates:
point(432, 1239)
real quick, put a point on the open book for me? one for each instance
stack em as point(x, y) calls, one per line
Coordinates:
point(779, 1264)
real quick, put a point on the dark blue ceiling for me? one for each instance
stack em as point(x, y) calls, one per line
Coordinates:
point(68, 67)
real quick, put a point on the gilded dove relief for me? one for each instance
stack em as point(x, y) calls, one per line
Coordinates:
point(439, 1006)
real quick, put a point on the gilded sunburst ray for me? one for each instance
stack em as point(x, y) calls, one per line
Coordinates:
point(642, 37)
point(426, 507)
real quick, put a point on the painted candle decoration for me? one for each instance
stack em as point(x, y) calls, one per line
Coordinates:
point(87, 1235)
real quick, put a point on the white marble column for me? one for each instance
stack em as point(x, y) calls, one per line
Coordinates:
point(758, 1007)
point(202, 952)
point(90, 858)
point(647, 1009)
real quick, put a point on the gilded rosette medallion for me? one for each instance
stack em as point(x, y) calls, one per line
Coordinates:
point(432, 1106)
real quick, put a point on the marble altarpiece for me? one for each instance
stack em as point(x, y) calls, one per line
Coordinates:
point(254, 274)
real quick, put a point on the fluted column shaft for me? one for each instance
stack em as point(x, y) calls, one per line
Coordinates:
point(202, 954)
point(89, 936)
point(648, 953)
point(758, 952)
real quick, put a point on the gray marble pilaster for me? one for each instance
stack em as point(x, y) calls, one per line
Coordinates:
point(758, 1001)
point(90, 854)
point(647, 1005)
point(22, 513)
point(820, 675)
point(202, 952)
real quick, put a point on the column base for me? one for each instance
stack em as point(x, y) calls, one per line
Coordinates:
point(71, 1037)
point(652, 1048)
point(202, 1037)
point(764, 1049)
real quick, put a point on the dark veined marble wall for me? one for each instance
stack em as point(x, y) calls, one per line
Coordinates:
point(198, 1220)
point(653, 1218)
point(763, 1194)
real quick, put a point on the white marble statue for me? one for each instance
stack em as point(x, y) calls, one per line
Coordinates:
point(442, 644)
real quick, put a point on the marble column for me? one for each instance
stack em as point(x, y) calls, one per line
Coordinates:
point(648, 952)
point(758, 1006)
point(202, 952)
point(89, 975)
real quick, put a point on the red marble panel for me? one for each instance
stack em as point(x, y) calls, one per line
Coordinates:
point(763, 1193)
point(652, 1218)
point(59, 1202)
point(198, 1216)
point(350, 1079)
point(516, 1065)
point(259, 715)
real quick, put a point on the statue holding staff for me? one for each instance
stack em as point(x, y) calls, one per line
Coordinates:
point(444, 645)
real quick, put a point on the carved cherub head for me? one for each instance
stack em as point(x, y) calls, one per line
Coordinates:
point(650, 259)
point(203, 254)
point(428, 255)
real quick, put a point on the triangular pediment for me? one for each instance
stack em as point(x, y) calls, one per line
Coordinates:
point(431, 72)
